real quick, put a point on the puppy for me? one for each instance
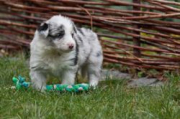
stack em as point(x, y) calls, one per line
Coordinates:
point(61, 49)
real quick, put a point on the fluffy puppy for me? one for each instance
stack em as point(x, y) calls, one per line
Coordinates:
point(59, 48)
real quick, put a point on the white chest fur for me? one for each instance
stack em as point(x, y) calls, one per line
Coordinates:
point(52, 60)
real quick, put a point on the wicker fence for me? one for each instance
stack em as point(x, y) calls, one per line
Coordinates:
point(142, 34)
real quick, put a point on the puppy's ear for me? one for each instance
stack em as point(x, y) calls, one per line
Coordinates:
point(44, 29)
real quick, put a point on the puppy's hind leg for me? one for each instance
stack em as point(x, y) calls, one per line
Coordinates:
point(93, 75)
point(38, 80)
point(94, 70)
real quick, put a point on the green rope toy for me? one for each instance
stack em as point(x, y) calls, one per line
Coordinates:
point(21, 83)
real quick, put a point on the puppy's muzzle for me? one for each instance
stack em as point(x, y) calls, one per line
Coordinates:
point(71, 46)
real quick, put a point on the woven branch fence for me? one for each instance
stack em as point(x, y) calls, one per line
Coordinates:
point(141, 34)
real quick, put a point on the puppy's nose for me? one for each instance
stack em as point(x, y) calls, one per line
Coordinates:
point(70, 46)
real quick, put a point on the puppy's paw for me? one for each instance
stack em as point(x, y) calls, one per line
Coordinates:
point(40, 88)
point(93, 84)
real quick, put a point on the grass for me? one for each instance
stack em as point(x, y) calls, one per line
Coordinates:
point(111, 100)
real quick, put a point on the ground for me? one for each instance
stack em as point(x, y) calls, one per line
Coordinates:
point(113, 99)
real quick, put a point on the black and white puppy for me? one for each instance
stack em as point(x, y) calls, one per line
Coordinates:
point(59, 48)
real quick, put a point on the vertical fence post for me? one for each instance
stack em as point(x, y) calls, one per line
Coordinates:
point(136, 41)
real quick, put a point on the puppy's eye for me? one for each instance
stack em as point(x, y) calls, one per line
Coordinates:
point(60, 35)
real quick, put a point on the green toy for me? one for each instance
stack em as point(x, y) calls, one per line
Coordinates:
point(21, 83)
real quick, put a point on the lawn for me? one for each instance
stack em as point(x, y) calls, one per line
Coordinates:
point(112, 100)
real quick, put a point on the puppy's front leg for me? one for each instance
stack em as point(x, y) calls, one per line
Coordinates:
point(38, 80)
point(68, 77)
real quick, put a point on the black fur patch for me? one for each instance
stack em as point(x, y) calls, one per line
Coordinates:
point(77, 53)
point(79, 29)
point(79, 38)
point(98, 54)
point(43, 27)
point(57, 35)
point(57, 32)
point(74, 29)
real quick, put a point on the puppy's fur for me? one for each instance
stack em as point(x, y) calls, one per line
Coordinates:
point(59, 48)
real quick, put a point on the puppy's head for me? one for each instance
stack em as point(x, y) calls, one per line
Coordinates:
point(58, 32)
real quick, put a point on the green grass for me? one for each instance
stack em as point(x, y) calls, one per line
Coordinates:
point(112, 100)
